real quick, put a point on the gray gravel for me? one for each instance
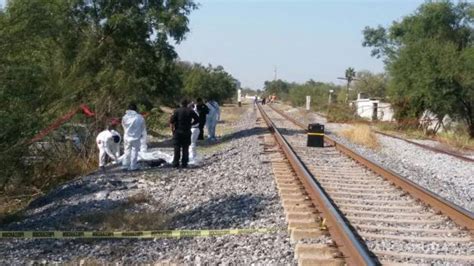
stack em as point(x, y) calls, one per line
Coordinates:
point(330, 165)
point(234, 188)
point(445, 175)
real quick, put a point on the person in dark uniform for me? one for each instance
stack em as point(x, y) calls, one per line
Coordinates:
point(180, 122)
point(202, 110)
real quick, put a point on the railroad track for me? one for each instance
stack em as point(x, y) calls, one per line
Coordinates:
point(434, 149)
point(423, 146)
point(374, 215)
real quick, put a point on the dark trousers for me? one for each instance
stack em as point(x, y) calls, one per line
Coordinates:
point(181, 142)
point(201, 129)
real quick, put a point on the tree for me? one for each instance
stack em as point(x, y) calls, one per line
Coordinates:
point(277, 87)
point(319, 92)
point(207, 82)
point(429, 58)
point(349, 76)
point(373, 85)
point(56, 54)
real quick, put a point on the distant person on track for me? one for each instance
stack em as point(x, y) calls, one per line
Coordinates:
point(212, 118)
point(181, 122)
point(273, 98)
point(108, 142)
point(202, 110)
point(134, 135)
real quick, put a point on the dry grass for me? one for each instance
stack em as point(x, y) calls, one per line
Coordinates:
point(362, 135)
point(17, 194)
point(230, 114)
point(127, 217)
point(456, 140)
point(117, 249)
point(139, 198)
point(122, 219)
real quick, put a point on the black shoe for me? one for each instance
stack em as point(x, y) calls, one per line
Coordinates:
point(184, 166)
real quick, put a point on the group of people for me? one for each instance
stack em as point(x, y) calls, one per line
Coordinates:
point(186, 123)
point(270, 99)
point(134, 140)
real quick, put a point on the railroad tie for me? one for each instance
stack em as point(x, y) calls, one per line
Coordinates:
point(304, 222)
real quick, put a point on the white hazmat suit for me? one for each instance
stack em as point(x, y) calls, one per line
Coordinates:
point(134, 135)
point(212, 118)
point(107, 146)
point(193, 158)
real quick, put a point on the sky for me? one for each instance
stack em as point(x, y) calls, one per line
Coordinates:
point(302, 39)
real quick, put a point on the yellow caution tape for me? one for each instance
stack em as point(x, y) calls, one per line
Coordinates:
point(316, 134)
point(132, 234)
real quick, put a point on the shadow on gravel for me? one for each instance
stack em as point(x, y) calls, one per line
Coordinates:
point(56, 209)
point(290, 132)
point(59, 216)
point(255, 131)
point(221, 213)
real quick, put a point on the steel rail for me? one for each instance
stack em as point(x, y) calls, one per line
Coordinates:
point(464, 158)
point(458, 214)
point(424, 146)
point(355, 250)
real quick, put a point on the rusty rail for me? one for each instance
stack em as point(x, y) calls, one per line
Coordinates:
point(427, 147)
point(464, 158)
point(348, 242)
point(458, 214)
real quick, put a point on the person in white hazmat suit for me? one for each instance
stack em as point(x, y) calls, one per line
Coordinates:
point(212, 118)
point(193, 157)
point(133, 137)
point(108, 142)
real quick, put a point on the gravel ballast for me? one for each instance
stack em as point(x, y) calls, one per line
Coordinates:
point(335, 170)
point(233, 188)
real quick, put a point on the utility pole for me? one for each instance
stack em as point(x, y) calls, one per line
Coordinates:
point(329, 101)
point(349, 76)
point(347, 88)
point(275, 73)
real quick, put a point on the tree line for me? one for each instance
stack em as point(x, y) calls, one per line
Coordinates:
point(364, 81)
point(57, 54)
point(429, 62)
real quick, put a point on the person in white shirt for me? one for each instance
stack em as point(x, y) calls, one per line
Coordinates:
point(212, 118)
point(108, 142)
point(133, 137)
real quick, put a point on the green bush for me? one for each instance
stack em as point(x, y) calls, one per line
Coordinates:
point(341, 113)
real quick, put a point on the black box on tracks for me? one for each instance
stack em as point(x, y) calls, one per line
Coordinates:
point(315, 135)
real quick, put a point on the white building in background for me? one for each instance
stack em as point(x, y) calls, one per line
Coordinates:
point(373, 109)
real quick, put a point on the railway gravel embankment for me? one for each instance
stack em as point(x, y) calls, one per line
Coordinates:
point(233, 188)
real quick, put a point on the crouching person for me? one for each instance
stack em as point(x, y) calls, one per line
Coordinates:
point(108, 142)
point(134, 130)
